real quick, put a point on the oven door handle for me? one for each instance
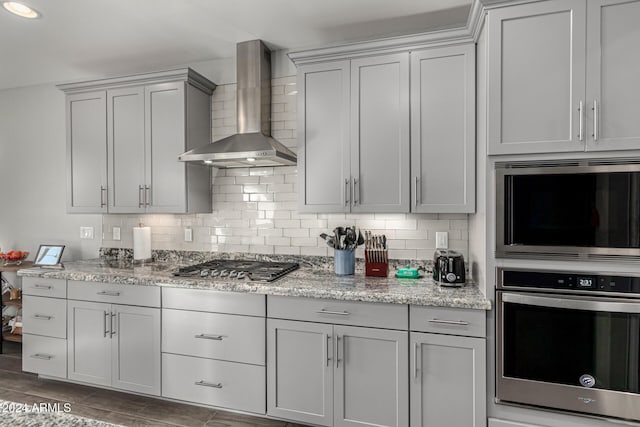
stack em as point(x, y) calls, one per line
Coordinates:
point(573, 303)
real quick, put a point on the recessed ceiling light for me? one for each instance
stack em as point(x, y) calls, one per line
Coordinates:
point(21, 9)
point(251, 159)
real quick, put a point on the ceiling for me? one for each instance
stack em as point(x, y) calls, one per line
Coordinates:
point(97, 38)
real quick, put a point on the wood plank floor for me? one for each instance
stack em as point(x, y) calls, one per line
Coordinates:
point(111, 406)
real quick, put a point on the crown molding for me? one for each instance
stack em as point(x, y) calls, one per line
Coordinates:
point(182, 74)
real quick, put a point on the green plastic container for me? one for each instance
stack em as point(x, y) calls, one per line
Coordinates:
point(408, 273)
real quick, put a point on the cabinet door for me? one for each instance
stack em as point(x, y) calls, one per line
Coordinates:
point(164, 141)
point(448, 385)
point(135, 348)
point(536, 77)
point(443, 137)
point(371, 377)
point(86, 153)
point(613, 66)
point(380, 133)
point(300, 371)
point(89, 344)
point(323, 137)
point(125, 142)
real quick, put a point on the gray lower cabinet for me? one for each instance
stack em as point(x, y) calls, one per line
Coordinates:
point(448, 367)
point(124, 136)
point(336, 375)
point(443, 129)
point(44, 319)
point(448, 384)
point(114, 345)
point(213, 348)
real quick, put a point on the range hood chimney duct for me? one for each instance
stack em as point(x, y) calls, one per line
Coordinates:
point(253, 144)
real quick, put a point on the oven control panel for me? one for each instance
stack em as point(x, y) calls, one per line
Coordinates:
point(566, 281)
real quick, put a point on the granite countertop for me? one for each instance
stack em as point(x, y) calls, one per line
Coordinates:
point(305, 282)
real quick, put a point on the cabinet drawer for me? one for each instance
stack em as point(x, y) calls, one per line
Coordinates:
point(377, 315)
point(39, 286)
point(44, 355)
point(214, 335)
point(212, 382)
point(445, 320)
point(44, 316)
point(147, 296)
point(213, 301)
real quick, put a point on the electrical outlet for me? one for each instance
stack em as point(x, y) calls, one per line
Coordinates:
point(86, 233)
point(116, 233)
point(442, 240)
point(188, 235)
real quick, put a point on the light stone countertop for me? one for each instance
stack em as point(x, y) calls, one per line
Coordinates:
point(305, 282)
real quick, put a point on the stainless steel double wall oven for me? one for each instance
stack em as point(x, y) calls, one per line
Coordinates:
point(570, 339)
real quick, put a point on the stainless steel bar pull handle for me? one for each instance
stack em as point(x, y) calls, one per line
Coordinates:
point(595, 119)
point(47, 287)
point(415, 360)
point(356, 191)
point(42, 317)
point(105, 324)
point(209, 337)
point(103, 202)
point(208, 384)
point(113, 326)
point(338, 358)
point(140, 196)
point(147, 195)
point(415, 191)
point(346, 192)
point(449, 322)
point(109, 293)
point(42, 356)
point(328, 347)
point(338, 313)
point(580, 122)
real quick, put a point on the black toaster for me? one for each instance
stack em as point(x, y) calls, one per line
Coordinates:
point(448, 268)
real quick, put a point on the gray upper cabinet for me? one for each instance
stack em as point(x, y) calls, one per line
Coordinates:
point(374, 127)
point(380, 133)
point(561, 77)
point(443, 129)
point(323, 137)
point(353, 135)
point(86, 152)
point(141, 124)
point(613, 67)
point(536, 77)
point(126, 151)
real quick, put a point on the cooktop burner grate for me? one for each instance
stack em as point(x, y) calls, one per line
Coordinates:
point(263, 271)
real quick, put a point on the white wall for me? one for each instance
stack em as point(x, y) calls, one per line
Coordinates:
point(32, 175)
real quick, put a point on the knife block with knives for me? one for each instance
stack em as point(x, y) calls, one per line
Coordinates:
point(376, 255)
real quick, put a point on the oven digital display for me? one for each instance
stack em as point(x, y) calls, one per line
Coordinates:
point(586, 282)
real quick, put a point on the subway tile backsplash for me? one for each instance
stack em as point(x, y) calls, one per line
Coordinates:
point(255, 209)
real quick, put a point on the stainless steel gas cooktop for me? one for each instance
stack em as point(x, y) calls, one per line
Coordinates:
point(240, 269)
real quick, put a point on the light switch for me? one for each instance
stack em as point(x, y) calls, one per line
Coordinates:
point(188, 235)
point(116, 233)
point(442, 240)
point(86, 233)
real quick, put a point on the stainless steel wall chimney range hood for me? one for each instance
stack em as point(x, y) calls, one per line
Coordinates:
point(253, 144)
